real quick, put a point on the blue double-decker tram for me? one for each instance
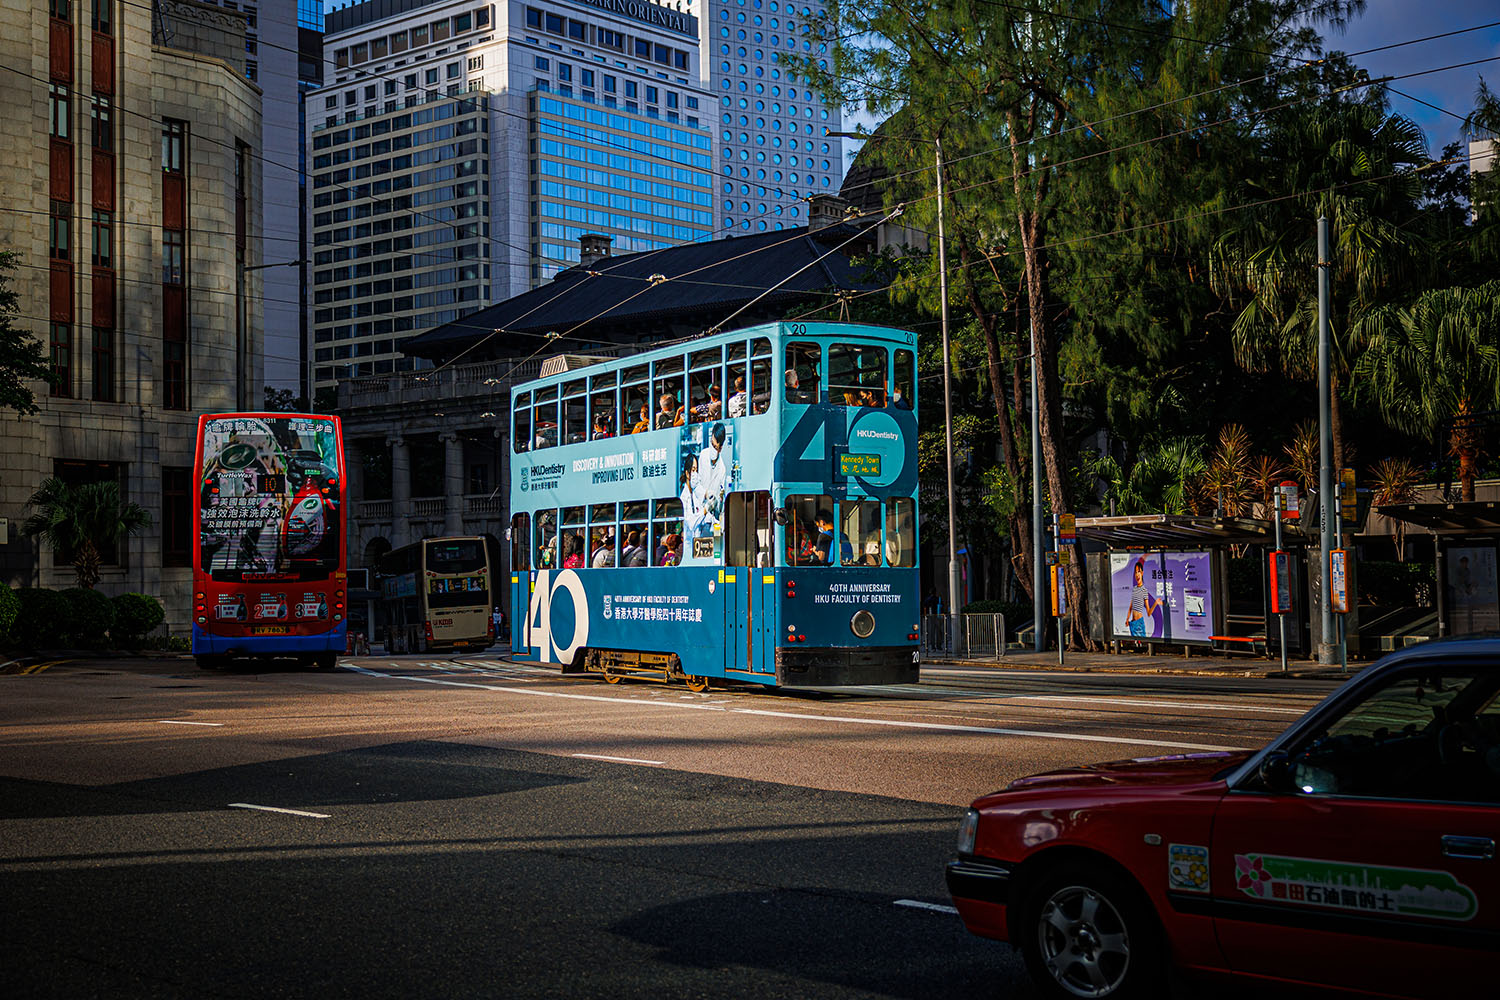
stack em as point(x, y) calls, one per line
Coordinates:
point(741, 506)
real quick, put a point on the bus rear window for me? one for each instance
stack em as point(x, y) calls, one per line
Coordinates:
point(455, 557)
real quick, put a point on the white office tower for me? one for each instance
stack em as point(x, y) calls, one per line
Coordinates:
point(774, 151)
point(460, 149)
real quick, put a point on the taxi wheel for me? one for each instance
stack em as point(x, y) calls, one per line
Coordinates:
point(1086, 932)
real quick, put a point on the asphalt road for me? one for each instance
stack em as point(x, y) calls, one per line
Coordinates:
point(469, 827)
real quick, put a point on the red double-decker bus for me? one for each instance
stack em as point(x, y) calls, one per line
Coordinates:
point(268, 565)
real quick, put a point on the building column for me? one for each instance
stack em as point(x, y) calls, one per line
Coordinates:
point(453, 483)
point(400, 491)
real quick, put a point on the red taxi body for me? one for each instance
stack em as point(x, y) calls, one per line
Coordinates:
point(1355, 854)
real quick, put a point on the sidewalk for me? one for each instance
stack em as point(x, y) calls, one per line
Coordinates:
point(1175, 664)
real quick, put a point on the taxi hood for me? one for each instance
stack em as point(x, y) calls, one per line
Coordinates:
point(1177, 769)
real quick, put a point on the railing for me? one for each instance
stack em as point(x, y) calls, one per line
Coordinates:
point(484, 505)
point(373, 510)
point(428, 508)
point(983, 636)
point(437, 383)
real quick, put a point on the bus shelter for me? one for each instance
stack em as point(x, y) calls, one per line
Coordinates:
point(1165, 579)
point(1466, 538)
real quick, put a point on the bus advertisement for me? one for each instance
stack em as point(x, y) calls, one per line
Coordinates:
point(268, 563)
point(439, 593)
point(741, 507)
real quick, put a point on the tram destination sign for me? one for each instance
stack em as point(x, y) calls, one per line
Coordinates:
point(858, 465)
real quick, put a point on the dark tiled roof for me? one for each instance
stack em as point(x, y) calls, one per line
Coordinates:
point(625, 299)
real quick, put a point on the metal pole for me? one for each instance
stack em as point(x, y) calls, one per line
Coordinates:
point(1325, 448)
point(1338, 543)
point(1038, 584)
point(1280, 616)
point(955, 581)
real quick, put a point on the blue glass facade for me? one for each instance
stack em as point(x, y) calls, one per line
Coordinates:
point(773, 147)
point(594, 169)
point(310, 14)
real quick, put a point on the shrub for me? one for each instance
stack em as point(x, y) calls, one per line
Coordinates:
point(41, 618)
point(90, 615)
point(135, 615)
point(1014, 611)
point(9, 605)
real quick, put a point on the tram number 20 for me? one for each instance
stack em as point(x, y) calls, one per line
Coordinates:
point(551, 587)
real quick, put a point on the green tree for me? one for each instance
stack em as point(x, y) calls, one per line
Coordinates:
point(1433, 366)
point(1345, 158)
point(80, 522)
point(21, 356)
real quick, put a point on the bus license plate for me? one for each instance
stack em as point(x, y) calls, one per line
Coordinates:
point(268, 630)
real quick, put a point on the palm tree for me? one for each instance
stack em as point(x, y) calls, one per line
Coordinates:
point(1325, 150)
point(1226, 483)
point(1434, 367)
point(1394, 480)
point(80, 522)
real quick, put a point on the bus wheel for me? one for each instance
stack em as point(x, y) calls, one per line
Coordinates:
point(209, 662)
point(697, 684)
point(326, 661)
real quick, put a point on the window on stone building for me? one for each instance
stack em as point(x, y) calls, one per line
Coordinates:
point(176, 516)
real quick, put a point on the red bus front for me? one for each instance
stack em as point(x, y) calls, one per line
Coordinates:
point(268, 560)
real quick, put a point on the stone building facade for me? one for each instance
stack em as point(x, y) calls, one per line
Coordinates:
point(130, 164)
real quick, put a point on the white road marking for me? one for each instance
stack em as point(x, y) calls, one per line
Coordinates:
point(181, 722)
point(617, 760)
point(807, 717)
point(919, 905)
point(277, 809)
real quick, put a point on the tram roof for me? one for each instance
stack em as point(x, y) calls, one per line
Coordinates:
point(620, 299)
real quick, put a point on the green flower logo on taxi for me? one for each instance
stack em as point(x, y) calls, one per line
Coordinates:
point(1414, 892)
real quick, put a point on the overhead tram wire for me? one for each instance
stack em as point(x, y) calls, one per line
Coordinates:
point(986, 256)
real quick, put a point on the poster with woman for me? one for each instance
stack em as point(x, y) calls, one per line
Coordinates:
point(1162, 596)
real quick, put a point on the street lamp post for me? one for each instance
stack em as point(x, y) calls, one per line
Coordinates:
point(955, 576)
point(242, 323)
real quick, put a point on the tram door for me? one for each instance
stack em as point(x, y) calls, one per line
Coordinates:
point(749, 582)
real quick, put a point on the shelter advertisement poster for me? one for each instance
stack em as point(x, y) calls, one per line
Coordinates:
point(1473, 594)
point(1162, 596)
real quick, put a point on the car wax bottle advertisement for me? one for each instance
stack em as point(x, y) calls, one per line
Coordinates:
point(265, 506)
point(1162, 596)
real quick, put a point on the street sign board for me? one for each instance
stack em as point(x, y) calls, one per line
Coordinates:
point(1067, 528)
point(1059, 590)
point(1338, 581)
point(1281, 582)
point(1290, 501)
point(1348, 497)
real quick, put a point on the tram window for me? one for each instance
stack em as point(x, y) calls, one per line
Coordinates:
point(802, 372)
point(901, 531)
point(575, 419)
point(856, 374)
point(706, 396)
point(736, 351)
point(546, 539)
point(635, 549)
point(545, 423)
point(668, 391)
point(860, 523)
point(603, 543)
point(737, 405)
point(903, 395)
point(602, 415)
point(803, 531)
point(520, 542)
point(747, 529)
point(572, 538)
point(637, 403)
point(666, 533)
point(760, 385)
point(521, 432)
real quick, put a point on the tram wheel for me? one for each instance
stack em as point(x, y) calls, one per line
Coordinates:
point(611, 676)
point(697, 684)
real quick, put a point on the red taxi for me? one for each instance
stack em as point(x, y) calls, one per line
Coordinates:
point(1355, 853)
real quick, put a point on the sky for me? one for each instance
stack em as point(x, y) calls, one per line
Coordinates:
point(1389, 21)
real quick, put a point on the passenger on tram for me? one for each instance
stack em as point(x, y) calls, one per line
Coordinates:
point(738, 398)
point(643, 422)
point(602, 426)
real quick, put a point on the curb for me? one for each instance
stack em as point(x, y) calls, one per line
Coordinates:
point(1315, 674)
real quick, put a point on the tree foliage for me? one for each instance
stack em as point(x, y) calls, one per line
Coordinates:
point(81, 522)
point(22, 359)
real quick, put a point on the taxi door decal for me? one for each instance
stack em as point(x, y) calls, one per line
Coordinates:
point(1366, 889)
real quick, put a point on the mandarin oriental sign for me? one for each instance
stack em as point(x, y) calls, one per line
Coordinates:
point(642, 10)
